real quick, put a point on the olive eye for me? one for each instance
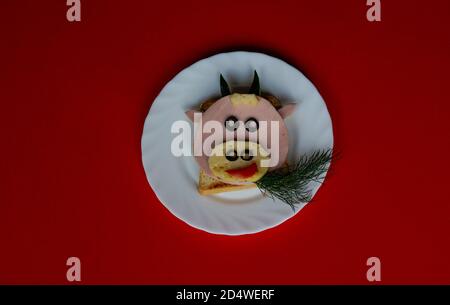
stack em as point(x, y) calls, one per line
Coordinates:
point(251, 125)
point(231, 123)
point(231, 155)
point(246, 156)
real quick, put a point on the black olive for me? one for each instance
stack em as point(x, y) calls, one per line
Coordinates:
point(246, 156)
point(232, 157)
point(231, 123)
point(251, 124)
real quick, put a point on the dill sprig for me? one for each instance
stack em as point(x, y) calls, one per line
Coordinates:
point(290, 184)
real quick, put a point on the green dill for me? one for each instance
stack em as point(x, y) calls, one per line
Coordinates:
point(291, 184)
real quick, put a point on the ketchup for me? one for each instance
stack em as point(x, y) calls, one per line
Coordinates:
point(243, 172)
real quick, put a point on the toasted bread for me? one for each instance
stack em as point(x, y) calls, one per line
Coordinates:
point(208, 185)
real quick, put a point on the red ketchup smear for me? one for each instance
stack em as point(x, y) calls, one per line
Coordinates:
point(244, 172)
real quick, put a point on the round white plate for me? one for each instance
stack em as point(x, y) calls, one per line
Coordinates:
point(174, 179)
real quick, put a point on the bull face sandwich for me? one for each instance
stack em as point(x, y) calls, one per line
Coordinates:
point(248, 146)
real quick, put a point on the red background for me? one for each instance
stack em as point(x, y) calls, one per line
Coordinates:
point(74, 97)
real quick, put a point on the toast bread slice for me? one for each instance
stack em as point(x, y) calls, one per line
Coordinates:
point(208, 185)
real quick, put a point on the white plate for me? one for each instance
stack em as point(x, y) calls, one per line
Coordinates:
point(174, 179)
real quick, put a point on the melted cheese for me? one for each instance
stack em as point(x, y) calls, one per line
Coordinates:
point(244, 99)
point(219, 164)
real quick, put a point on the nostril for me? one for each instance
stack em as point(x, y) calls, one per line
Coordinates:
point(231, 156)
point(246, 156)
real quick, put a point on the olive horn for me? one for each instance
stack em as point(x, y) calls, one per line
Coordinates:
point(255, 87)
point(224, 88)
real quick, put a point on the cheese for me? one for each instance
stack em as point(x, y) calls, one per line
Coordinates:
point(244, 99)
point(220, 165)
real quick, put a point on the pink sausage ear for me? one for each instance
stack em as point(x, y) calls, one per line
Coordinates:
point(287, 110)
point(190, 114)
